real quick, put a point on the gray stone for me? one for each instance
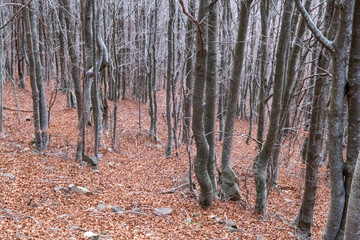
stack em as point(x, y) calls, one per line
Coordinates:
point(28, 118)
point(26, 149)
point(163, 211)
point(58, 189)
point(116, 208)
point(101, 206)
point(91, 235)
point(83, 163)
point(111, 164)
point(8, 175)
point(91, 160)
point(231, 229)
point(230, 185)
point(196, 215)
point(230, 223)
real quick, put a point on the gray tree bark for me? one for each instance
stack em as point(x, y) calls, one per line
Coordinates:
point(314, 150)
point(339, 51)
point(264, 11)
point(228, 179)
point(74, 70)
point(263, 159)
point(33, 84)
point(170, 145)
point(189, 74)
point(211, 92)
point(351, 216)
point(202, 146)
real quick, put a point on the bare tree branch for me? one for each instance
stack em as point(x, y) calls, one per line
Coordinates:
point(314, 29)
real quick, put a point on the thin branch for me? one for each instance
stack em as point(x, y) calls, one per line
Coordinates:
point(15, 14)
point(196, 23)
point(314, 29)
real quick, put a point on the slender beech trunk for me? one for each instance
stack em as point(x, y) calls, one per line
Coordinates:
point(74, 70)
point(189, 74)
point(170, 145)
point(202, 146)
point(39, 77)
point(264, 10)
point(287, 96)
point(263, 159)
point(211, 92)
point(228, 179)
point(33, 84)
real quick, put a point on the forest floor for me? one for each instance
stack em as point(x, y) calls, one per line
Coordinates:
point(36, 203)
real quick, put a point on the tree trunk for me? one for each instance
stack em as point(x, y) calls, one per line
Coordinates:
point(34, 87)
point(314, 150)
point(211, 92)
point(169, 146)
point(202, 146)
point(189, 74)
point(228, 179)
point(264, 156)
point(353, 145)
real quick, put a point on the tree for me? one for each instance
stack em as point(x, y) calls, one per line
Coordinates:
point(211, 92)
point(74, 70)
point(202, 146)
point(352, 167)
point(264, 10)
point(339, 51)
point(263, 159)
point(189, 73)
point(314, 149)
point(228, 179)
point(169, 79)
point(36, 79)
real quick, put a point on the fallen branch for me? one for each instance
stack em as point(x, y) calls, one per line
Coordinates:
point(172, 190)
point(15, 110)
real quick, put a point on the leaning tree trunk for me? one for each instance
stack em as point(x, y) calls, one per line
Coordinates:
point(264, 156)
point(228, 180)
